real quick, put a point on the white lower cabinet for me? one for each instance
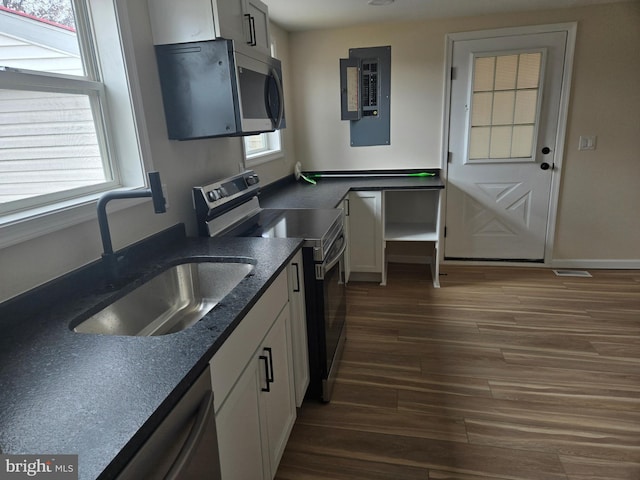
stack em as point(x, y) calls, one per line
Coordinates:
point(253, 388)
point(239, 430)
point(365, 231)
point(299, 345)
point(276, 388)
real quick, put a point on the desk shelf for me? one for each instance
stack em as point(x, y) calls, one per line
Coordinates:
point(412, 216)
point(410, 232)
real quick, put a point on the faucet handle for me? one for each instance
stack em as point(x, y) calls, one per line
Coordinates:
point(155, 184)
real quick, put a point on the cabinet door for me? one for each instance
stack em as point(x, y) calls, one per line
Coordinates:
point(365, 231)
point(196, 20)
point(177, 22)
point(239, 429)
point(299, 347)
point(229, 19)
point(278, 404)
point(257, 25)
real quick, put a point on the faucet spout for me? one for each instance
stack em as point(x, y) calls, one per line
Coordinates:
point(159, 205)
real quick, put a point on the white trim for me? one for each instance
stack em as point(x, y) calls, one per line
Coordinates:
point(563, 116)
point(65, 215)
point(489, 263)
point(133, 82)
point(509, 31)
point(592, 263)
point(617, 264)
point(570, 29)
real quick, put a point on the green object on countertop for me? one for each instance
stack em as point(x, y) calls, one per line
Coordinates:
point(310, 180)
point(421, 174)
point(357, 175)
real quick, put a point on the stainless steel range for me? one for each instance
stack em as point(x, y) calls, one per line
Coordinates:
point(231, 208)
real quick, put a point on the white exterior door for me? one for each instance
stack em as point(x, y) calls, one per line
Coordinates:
point(505, 102)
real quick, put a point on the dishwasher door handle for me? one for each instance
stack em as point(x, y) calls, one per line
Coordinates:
point(205, 410)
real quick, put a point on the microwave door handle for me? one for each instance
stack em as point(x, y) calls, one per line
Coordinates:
point(278, 82)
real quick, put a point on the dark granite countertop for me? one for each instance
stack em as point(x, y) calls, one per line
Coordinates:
point(328, 192)
point(101, 396)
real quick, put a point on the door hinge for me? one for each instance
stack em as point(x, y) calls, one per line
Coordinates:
point(453, 73)
point(449, 157)
point(445, 231)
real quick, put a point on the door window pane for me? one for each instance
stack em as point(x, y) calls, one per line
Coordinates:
point(483, 75)
point(506, 71)
point(479, 145)
point(525, 108)
point(503, 103)
point(529, 71)
point(500, 142)
point(504, 106)
point(521, 141)
point(482, 108)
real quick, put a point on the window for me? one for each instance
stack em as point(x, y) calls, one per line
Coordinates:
point(56, 145)
point(504, 106)
point(262, 148)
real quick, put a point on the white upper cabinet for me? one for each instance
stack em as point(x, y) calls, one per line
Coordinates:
point(244, 21)
point(256, 24)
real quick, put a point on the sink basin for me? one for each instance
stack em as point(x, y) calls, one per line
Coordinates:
point(171, 301)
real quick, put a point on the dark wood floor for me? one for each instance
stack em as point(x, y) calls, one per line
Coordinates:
point(503, 373)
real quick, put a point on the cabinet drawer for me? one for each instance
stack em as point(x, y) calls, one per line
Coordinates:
point(236, 352)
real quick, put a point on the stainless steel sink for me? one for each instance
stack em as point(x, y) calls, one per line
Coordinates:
point(171, 301)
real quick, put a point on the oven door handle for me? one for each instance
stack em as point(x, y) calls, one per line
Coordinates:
point(324, 267)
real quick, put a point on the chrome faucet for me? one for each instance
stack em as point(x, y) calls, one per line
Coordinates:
point(159, 205)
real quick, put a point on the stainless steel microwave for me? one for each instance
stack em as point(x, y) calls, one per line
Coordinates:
point(210, 89)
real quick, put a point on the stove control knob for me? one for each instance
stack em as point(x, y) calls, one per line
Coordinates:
point(222, 192)
point(252, 179)
point(213, 195)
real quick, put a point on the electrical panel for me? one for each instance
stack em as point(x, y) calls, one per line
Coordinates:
point(365, 80)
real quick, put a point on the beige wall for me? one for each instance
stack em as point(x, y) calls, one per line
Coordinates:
point(597, 218)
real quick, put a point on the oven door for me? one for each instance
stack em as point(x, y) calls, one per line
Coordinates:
point(330, 281)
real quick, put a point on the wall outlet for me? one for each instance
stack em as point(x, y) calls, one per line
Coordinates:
point(587, 142)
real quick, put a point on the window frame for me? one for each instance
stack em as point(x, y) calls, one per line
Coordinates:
point(124, 135)
point(542, 70)
point(272, 152)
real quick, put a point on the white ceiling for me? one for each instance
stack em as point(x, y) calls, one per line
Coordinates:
point(295, 15)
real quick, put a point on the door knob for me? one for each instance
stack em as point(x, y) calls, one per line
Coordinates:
point(544, 166)
point(545, 150)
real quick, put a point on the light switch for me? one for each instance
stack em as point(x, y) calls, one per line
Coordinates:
point(587, 142)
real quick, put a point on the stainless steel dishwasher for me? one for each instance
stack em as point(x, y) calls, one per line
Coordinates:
point(185, 445)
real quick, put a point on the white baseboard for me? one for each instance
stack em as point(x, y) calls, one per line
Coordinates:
point(597, 264)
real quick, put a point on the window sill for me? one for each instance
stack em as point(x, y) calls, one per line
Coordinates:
point(17, 228)
point(260, 158)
